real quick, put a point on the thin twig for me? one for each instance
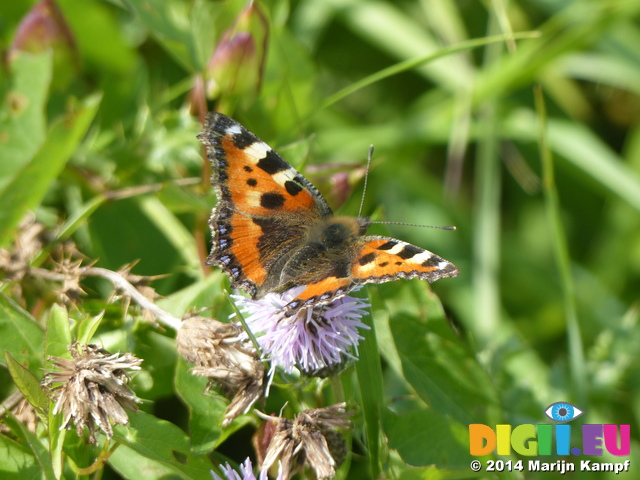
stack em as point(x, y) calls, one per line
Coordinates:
point(121, 284)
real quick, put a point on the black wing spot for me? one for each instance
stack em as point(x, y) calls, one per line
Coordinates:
point(271, 200)
point(387, 246)
point(409, 251)
point(368, 258)
point(248, 169)
point(292, 187)
point(383, 264)
point(272, 163)
point(243, 139)
point(432, 261)
point(399, 263)
point(252, 182)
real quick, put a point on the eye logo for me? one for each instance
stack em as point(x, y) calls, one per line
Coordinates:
point(562, 412)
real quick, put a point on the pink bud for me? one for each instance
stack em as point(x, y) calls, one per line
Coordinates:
point(45, 28)
point(237, 63)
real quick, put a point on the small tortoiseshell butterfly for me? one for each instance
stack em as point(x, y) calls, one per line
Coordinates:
point(273, 231)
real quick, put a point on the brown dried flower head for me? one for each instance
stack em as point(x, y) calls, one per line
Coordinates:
point(311, 439)
point(71, 271)
point(15, 262)
point(24, 412)
point(92, 388)
point(221, 355)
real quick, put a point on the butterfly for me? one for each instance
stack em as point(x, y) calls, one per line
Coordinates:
point(273, 231)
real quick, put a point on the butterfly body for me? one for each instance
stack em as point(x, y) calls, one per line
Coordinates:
point(273, 231)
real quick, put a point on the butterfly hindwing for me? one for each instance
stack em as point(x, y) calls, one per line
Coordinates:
point(383, 259)
point(376, 259)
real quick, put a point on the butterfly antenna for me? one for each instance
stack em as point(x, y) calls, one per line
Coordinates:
point(446, 227)
point(366, 178)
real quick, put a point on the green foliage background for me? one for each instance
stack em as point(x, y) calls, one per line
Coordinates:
point(544, 189)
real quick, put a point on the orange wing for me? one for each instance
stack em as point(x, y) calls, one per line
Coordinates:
point(378, 260)
point(264, 205)
point(383, 259)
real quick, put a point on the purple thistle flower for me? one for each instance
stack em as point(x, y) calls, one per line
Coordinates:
point(313, 340)
point(246, 469)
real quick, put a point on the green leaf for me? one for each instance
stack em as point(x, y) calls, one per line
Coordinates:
point(20, 334)
point(27, 383)
point(91, 23)
point(32, 181)
point(204, 293)
point(172, 229)
point(17, 462)
point(427, 355)
point(79, 217)
point(439, 372)
point(155, 381)
point(131, 464)
point(169, 22)
point(205, 409)
point(22, 120)
point(165, 443)
point(58, 336)
point(87, 328)
point(57, 435)
point(370, 383)
point(425, 437)
point(413, 63)
point(57, 340)
point(40, 451)
point(76, 220)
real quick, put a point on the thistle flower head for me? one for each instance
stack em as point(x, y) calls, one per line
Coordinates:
point(313, 340)
point(92, 388)
point(246, 472)
point(226, 358)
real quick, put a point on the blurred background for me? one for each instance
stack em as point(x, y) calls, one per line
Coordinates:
point(515, 121)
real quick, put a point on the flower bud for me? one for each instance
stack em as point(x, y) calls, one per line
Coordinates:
point(237, 64)
point(45, 28)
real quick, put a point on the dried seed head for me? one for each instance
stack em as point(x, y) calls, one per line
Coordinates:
point(14, 263)
point(25, 413)
point(221, 355)
point(92, 388)
point(309, 439)
point(71, 271)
